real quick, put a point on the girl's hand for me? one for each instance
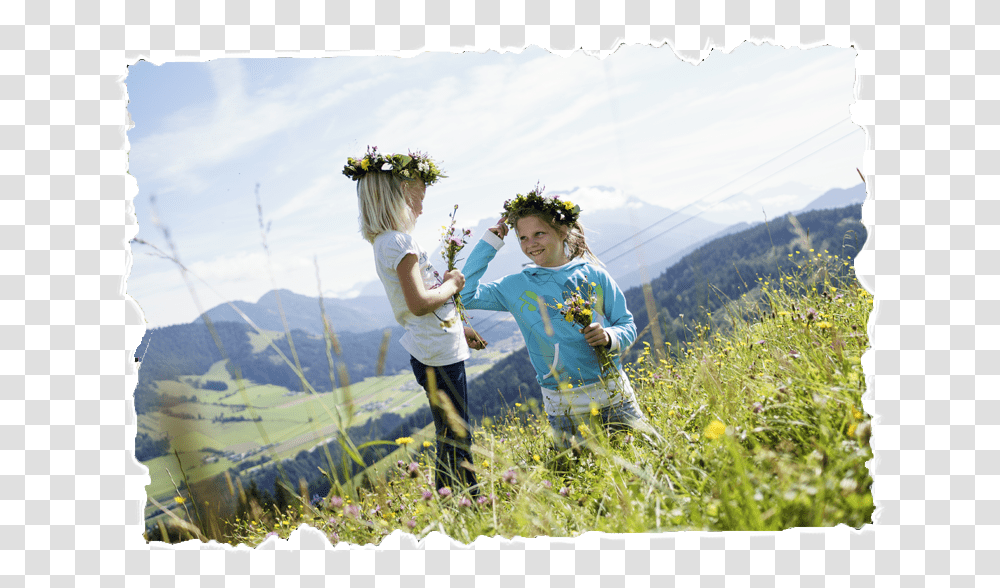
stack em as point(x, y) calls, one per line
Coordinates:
point(473, 339)
point(456, 277)
point(500, 229)
point(596, 335)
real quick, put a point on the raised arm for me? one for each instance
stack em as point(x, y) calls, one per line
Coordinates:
point(419, 300)
point(483, 296)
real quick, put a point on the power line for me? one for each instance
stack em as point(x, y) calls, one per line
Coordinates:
point(496, 321)
point(696, 215)
point(726, 184)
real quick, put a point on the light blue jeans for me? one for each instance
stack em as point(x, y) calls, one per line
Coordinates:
point(620, 415)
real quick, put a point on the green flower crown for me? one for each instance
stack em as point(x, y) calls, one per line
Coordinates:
point(415, 166)
point(561, 211)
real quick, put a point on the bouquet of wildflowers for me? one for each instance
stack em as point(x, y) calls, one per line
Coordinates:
point(454, 239)
point(579, 309)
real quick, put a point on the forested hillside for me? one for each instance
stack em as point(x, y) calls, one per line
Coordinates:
point(178, 350)
point(724, 269)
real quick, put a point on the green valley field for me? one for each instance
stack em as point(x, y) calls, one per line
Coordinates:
point(290, 421)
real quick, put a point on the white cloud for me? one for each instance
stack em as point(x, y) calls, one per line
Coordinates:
point(639, 123)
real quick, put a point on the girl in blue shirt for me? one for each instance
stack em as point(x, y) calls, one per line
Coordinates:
point(565, 363)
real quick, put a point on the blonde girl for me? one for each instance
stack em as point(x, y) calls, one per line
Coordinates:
point(391, 191)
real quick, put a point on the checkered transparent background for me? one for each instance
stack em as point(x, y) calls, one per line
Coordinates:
point(928, 97)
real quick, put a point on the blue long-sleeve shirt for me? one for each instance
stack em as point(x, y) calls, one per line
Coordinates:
point(521, 294)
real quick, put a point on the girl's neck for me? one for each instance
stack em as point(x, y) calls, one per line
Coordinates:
point(557, 265)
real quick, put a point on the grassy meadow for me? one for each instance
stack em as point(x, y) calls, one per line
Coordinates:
point(759, 426)
point(291, 421)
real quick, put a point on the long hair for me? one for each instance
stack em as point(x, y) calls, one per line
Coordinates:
point(382, 205)
point(574, 241)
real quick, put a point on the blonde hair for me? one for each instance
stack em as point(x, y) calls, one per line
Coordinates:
point(382, 205)
point(574, 241)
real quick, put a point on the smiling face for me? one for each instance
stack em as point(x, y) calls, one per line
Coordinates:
point(541, 242)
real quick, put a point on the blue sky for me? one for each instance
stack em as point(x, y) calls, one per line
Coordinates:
point(640, 122)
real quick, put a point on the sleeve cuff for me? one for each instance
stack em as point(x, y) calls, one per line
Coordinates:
point(614, 340)
point(495, 241)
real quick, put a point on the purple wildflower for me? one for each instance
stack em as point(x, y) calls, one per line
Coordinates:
point(510, 477)
point(444, 492)
point(546, 483)
point(427, 495)
point(336, 502)
point(352, 510)
point(465, 501)
point(413, 469)
point(757, 407)
point(564, 491)
point(411, 523)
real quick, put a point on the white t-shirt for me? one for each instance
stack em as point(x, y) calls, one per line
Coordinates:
point(425, 339)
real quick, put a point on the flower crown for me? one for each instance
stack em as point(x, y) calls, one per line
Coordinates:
point(563, 212)
point(415, 166)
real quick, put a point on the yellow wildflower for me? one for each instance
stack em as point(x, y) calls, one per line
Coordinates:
point(536, 458)
point(427, 443)
point(179, 499)
point(715, 430)
point(584, 431)
point(364, 164)
point(404, 440)
point(851, 429)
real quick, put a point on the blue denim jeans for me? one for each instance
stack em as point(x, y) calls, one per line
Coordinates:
point(622, 415)
point(452, 449)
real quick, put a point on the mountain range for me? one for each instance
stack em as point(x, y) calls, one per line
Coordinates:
point(663, 245)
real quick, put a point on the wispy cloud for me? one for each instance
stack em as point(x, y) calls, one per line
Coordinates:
point(640, 124)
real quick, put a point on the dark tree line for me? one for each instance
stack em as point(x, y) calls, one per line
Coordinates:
point(171, 352)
